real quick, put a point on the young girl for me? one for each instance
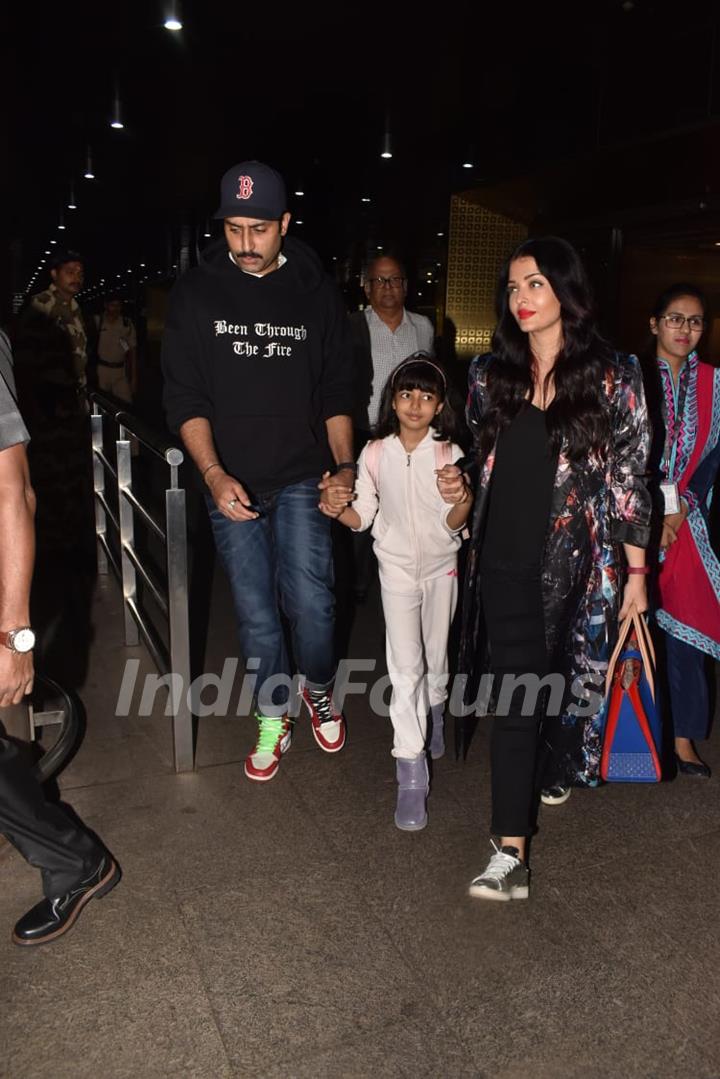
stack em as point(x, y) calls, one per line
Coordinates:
point(416, 537)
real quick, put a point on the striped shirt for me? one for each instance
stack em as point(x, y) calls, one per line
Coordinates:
point(414, 334)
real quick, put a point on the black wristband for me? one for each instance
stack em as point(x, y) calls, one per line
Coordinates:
point(346, 464)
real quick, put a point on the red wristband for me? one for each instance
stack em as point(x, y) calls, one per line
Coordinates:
point(638, 569)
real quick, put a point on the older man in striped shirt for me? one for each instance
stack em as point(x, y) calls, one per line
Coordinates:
point(385, 333)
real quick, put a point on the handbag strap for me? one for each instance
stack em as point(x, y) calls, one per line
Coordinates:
point(645, 645)
point(634, 620)
point(625, 627)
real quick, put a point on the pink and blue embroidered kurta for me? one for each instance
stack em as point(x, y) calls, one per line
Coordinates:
point(689, 577)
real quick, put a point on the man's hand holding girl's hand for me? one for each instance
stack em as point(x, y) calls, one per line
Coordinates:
point(336, 491)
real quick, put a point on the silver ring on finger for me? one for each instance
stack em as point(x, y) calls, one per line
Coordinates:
point(232, 503)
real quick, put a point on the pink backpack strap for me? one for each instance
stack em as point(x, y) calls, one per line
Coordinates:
point(443, 454)
point(373, 453)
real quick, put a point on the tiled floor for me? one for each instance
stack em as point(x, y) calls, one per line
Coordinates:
point(288, 929)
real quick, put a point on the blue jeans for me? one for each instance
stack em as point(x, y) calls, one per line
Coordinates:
point(283, 559)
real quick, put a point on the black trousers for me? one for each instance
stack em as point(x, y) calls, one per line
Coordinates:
point(43, 833)
point(516, 631)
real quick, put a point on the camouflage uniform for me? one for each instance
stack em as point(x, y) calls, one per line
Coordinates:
point(67, 318)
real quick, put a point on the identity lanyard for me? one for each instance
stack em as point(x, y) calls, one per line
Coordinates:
point(672, 433)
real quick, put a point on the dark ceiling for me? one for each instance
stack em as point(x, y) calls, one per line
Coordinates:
point(310, 89)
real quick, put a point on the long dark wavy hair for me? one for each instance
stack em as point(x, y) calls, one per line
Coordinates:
point(578, 411)
point(419, 372)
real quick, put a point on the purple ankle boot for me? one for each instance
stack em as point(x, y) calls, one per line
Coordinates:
point(412, 778)
point(437, 738)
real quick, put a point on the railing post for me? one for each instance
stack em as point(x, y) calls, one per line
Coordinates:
point(174, 660)
point(96, 421)
point(176, 531)
point(127, 532)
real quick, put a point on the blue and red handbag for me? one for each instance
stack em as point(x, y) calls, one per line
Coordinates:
point(632, 731)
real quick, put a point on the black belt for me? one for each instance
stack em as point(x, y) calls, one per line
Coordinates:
point(106, 363)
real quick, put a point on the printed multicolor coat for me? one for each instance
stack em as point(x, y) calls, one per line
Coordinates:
point(596, 505)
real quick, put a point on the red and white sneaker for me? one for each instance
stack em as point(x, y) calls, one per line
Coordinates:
point(328, 725)
point(274, 737)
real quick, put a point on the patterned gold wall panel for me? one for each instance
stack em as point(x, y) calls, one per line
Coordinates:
point(480, 241)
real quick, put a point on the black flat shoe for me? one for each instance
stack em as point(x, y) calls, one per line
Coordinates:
point(50, 918)
point(690, 768)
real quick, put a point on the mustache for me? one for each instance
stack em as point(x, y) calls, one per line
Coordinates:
point(247, 255)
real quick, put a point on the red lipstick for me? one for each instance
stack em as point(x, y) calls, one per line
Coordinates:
point(525, 313)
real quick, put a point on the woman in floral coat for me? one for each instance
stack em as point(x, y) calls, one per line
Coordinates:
point(562, 438)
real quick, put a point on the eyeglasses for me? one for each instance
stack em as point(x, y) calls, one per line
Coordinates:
point(387, 282)
point(677, 321)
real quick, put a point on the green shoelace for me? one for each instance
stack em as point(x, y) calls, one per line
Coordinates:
point(271, 729)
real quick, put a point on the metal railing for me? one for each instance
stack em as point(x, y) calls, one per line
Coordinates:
point(170, 596)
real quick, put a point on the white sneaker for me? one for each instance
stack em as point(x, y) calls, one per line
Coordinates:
point(555, 795)
point(274, 737)
point(505, 877)
point(328, 725)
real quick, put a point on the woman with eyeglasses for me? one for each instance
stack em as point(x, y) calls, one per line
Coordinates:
point(684, 397)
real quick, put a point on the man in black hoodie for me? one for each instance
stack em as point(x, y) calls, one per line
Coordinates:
point(259, 384)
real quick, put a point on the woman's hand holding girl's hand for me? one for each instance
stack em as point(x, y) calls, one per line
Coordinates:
point(635, 593)
point(451, 484)
point(230, 496)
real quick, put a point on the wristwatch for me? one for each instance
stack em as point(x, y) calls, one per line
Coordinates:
point(18, 640)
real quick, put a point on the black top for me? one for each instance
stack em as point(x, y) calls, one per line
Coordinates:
point(520, 496)
point(267, 360)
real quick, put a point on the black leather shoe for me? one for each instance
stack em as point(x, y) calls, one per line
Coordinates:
point(690, 768)
point(50, 918)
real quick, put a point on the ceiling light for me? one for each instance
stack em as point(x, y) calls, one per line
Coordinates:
point(300, 193)
point(386, 151)
point(441, 233)
point(72, 205)
point(89, 174)
point(116, 121)
point(364, 199)
point(172, 17)
point(467, 165)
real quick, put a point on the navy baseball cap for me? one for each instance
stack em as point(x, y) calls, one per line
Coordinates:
point(252, 189)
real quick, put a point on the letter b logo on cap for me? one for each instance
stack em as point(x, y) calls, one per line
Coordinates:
point(245, 187)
